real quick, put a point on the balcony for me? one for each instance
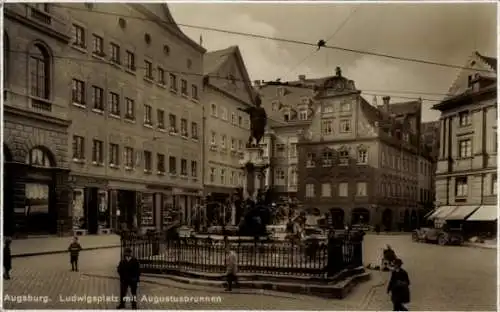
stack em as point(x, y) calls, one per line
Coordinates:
point(30, 104)
point(47, 21)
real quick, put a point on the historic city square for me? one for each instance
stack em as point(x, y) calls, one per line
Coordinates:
point(283, 157)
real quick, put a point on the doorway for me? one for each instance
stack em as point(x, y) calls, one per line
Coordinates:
point(387, 219)
point(127, 207)
point(360, 216)
point(337, 218)
point(91, 209)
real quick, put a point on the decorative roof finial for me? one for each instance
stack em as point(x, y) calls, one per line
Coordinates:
point(338, 71)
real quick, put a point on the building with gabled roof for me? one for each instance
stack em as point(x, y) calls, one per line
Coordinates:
point(466, 175)
point(345, 158)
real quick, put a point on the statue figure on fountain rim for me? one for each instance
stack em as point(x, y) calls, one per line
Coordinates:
point(258, 121)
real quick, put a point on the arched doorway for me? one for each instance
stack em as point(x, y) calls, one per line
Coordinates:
point(360, 216)
point(414, 219)
point(387, 219)
point(337, 218)
point(8, 193)
point(40, 210)
point(406, 221)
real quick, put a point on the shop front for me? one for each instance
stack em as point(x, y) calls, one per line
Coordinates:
point(188, 204)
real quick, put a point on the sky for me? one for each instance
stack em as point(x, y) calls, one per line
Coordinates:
point(444, 33)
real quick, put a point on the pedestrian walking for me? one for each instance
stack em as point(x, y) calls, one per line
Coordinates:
point(232, 269)
point(399, 287)
point(7, 258)
point(74, 252)
point(129, 272)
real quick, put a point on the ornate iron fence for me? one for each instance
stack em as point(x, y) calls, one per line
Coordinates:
point(312, 258)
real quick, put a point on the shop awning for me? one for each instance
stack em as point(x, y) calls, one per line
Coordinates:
point(485, 213)
point(441, 212)
point(461, 212)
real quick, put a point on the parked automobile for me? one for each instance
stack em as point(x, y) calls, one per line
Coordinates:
point(439, 236)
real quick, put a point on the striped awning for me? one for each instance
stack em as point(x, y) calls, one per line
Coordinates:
point(441, 212)
point(484, 213)
point(461, 212)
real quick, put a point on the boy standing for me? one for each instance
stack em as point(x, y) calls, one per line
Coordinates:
point(232, 269)
point(74, 251)
point(129, 271)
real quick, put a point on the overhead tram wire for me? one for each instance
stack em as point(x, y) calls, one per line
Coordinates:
point(328, 39)
point(104, 61)
point(257, 36)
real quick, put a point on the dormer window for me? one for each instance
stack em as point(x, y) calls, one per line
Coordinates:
point(286, 116)
point(303, 114)
point(305, 101)
point(328, 109)
point(469, 81)
point(275, 106)
point(280, 91)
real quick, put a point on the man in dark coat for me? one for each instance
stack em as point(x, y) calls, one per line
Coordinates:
point(7, 258)
point(399, 287)
point(129, 271)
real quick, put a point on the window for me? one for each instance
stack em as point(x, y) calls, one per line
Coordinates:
point(172, 165)
point(326, 190)
point(223, 112)
point(194, 168)
point(97, 45)
point(232, 178)
point(115, 53)
point(461, 187)
point(311, 162)
point(212, 175)
point(213, 138)
point(97, 152)
point(345, 125)
point(148, 163)
point(362, 157)
point(223, 176)
point(233, 144)
point(129, 158)
point(494, 186)
point(160, 165)
point(114, 104)
point(184, 87)
point(280, 91)
point(327, 127)
point(184, 167)
point(343, 189)
point(130, 61)
point(309, 190)
point(240, 145)
point(327, 159)
point(303, 114)
point(129, 109)
point(79, 36)
point(240, 121)
point(161, 76)
point(345, 106)
point(361, 189)
point(213, 110)
point(160, 115)
point(173, 123)
point(78, 147)
point(275, 106)
point(148, 70)
point(194, 92)
point(280, 176)
point(464, 119)
point(184, 128)
point(233, 118)
point(40, 72)
point(293, 150)
point(78, 92)
point(344, 158)
point(98, 98)
point(223, 141)
point(173, 82)
point(328, 109)
point(194, 130)
point(148, 115)
point(114, 156)
point(465, 148)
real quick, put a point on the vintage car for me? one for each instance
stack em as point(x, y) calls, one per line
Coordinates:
point(439, 236)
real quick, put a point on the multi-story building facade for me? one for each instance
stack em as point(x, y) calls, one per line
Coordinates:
point(356, 162)
point(466, 176)
point(227, 89)
point(120, 99)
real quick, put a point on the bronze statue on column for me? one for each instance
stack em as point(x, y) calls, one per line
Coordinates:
point(258, 121)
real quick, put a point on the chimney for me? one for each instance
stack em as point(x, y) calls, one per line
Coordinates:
point(256, 82)
point(302, 77)
point(386, 100)
point(374, 101)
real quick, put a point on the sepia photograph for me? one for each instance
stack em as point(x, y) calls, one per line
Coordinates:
point(250, 155)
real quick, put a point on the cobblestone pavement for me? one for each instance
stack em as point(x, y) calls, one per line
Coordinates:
point(53, 244)
point(443, 278)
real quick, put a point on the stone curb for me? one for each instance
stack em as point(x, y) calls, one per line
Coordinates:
point(53, 252)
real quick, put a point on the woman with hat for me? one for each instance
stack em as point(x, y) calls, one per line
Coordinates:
point(399, 287)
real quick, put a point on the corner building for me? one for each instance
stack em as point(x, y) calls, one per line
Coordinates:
point(129, 91)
